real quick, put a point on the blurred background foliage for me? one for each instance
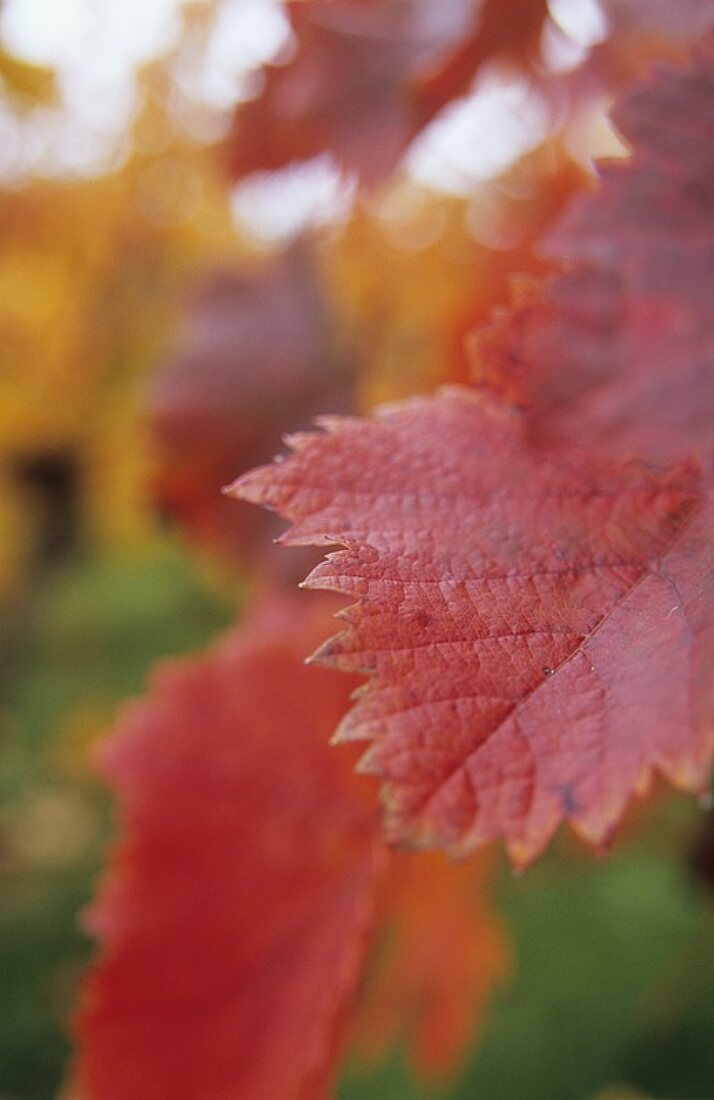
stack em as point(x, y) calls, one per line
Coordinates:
point(161, 325)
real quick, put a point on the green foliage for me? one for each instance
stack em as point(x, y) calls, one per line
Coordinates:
point(606, 958)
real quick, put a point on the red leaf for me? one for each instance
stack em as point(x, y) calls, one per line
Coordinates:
point(443, 953)
point(529, 656)
point(683, 21)
point(504, 29)
point(250, 873)
point(367, 74)
point(234, 917)
point(257, 355)
point(619, 354)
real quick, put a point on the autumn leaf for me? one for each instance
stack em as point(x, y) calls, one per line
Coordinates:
point(234, 915)
point(528, 655)
point(439, 955)
point(257, 354)
point(250, 885)
point(505, 29)
point(366, 76)
point(633, 35)
point(497, 709)
point(617, 351)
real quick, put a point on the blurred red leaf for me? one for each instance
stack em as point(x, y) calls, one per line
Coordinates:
point(617, 351)
point(257, 355)
point(234, 917)
point(442, 952)
point(527, 663)
point(250, 874)
point(507, 29)
point(685, 20)
point(368, 74)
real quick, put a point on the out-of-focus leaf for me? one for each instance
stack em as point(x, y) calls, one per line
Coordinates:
point(505, 29)
point(440, 955)
point(234, 916)
point(258, 356)
point(250, 870)
point(366, 75)
point(686, 21)
point(617, 351)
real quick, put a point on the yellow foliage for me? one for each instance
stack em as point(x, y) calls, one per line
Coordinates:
point(32, 83)
point(91, 275)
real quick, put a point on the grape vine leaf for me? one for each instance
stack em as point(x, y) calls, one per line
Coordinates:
point(257, 351)
point(251, 884)
point(509, 30)
point(234, 917)
point(617, 350)
point(442, 953)
point(528, 654)
point(366, 76)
